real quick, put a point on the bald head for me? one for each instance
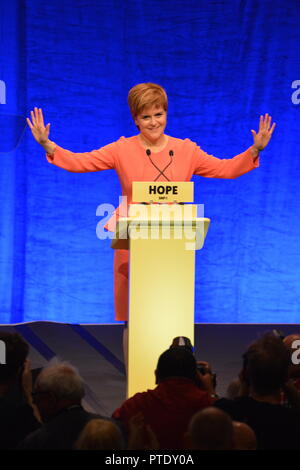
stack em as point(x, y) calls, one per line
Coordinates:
point(100, 434)
point(288, 340)
point(243, 436)
point(211, 429)
point(233, 389)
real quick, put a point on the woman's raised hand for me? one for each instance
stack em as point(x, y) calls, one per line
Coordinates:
point(264, 134)
point(39, 131)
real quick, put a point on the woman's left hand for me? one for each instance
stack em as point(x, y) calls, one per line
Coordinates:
point(264, 134)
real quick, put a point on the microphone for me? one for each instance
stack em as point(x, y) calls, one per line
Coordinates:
point(161, 172)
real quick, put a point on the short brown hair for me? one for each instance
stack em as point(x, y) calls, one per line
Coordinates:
point(266, 364)
point(145, 95)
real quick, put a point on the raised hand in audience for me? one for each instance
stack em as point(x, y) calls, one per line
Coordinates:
point(205, 377)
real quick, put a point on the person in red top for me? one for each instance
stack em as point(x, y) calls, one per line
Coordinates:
point(151, 155)
point(168, 408)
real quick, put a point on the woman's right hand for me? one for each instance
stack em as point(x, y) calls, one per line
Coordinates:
point(39, 131)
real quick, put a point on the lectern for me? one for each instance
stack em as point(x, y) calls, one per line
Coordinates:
point(162, 234)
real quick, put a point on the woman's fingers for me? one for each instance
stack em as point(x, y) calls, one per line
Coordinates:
point(39, 131)
point(273, 127)
point(265, 123)
point(29, 123)
point(37, 120)
point(37, 117)
point(32, 114)
point(41, 118)
point(268, 121)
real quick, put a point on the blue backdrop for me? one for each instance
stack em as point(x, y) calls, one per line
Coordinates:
point(223, 63)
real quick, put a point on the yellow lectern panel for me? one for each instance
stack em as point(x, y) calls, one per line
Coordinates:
point(161, 304)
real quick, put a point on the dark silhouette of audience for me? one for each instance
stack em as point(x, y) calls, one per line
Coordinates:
point(168, 408)
point(18, 416)
point(181, 412)
point(263, 377)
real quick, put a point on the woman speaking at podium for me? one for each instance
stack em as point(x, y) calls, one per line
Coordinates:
point(151, 155)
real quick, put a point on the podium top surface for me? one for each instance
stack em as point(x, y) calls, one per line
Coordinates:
point(126, 226)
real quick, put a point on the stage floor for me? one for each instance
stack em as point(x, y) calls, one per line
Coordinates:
point(96, 350)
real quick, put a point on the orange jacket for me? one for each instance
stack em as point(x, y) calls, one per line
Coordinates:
point(131, 163)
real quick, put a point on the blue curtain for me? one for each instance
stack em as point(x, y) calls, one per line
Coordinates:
point(223, 63)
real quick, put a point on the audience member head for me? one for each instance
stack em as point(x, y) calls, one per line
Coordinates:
point(16, 351)
point(292, 347)
point(100, 434)
point(176, 362)
point(210, 429)
point(57, 387)
point(244, 437)
point(233, 389)
point(266, 365)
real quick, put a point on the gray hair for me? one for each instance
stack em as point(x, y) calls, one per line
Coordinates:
point(62, 379)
